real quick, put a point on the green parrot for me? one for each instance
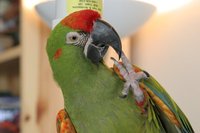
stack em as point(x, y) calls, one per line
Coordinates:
point(97, 98)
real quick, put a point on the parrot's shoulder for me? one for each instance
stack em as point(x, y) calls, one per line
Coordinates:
point(64, 123)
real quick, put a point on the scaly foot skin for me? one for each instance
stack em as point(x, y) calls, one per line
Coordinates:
point(131, 79)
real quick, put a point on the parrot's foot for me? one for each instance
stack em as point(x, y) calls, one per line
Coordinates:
point(64, 124)
point(131, 79)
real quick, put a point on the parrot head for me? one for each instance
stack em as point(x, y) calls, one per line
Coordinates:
point(86, 31)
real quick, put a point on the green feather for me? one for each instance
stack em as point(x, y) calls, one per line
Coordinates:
point(91, 94)
point(159, 91)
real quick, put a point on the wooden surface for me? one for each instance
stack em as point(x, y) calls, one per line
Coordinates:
point(50, 99)
point(9, 76)
point(30, 42)
point(41, 99)
point(10, 54)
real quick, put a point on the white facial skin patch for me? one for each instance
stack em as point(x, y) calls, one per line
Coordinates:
point(87, 45)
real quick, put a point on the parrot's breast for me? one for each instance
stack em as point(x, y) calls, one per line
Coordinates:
point(91, 95)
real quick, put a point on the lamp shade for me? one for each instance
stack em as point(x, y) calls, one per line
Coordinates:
point(126, 16)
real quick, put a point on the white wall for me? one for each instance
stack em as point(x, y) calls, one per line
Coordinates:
point(168, 47)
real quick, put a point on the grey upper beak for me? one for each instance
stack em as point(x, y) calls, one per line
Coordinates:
point(102, 36)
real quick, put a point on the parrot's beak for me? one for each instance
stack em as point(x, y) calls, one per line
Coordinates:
point(102, 36)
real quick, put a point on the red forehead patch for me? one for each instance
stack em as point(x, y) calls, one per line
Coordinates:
point(81, 20)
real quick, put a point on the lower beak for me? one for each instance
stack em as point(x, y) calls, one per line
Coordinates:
point(102, 36)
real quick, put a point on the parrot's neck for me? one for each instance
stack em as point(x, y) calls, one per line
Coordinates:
point(91, 94)
point(82, 82)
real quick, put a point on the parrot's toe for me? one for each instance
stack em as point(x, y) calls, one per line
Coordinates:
point(132, 78)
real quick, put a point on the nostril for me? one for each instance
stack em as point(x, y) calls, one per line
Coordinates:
point(58, 53)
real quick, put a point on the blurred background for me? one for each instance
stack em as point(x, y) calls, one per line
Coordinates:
point(9, 66)
point(167, 46)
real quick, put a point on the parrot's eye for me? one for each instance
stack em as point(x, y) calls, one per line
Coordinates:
point(74, 38)
point(77, 38)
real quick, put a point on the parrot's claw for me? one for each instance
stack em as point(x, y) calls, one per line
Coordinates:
point(147, 74)
point(123, 96)
point(132, 79)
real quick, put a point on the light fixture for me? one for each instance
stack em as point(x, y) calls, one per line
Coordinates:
point(167, 5)
point(47, 11)
point(125, 15)
point(29, 4)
